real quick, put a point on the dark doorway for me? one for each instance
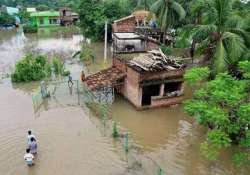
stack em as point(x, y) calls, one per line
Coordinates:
point(148, 92)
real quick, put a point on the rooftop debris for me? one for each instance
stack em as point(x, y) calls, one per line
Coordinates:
point(109, 76)
point(156, 60)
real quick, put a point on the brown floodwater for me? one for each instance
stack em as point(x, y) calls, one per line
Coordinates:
point(69, 141)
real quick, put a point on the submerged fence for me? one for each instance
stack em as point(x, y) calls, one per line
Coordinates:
point(99, 104)
point(100, 107)
point(52, 94)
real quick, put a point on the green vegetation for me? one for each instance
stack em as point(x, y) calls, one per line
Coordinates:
point(168, 13)
point(6, 19)
point(30, 68)
point(57, 65)
point(41, 4)
point(37, 67)
point(223, 105)
point(221, 34)
point(29, 28)
point(86, 55)
point(166, 50)
point(115, 133)
point(93, 15)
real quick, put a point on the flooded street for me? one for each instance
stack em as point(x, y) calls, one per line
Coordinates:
point(68, 140)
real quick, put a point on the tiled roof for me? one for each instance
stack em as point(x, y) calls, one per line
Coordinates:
point(106, 77)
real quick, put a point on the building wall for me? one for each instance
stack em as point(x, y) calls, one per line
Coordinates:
point(119, 64)
point(46, 23)
point(126, 25)
point(152, 45)
point(132, 90)
point(161, 75)
point(160, 102)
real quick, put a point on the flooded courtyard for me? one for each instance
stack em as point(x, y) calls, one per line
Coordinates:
point(69, 142)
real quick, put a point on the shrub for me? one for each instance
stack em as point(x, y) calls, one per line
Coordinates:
point(28, 28)
point(58, 66)
point(66, 73)
point(30, 68)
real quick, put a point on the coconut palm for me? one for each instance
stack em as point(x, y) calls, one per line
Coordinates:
point(145, 4)
point(221, 35)
point(168, 12)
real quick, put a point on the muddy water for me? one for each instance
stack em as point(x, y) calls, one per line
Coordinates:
point(69, 143)
point(172, 139)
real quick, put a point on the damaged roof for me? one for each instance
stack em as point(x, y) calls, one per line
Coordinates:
point(155, 60)
point(106, 77)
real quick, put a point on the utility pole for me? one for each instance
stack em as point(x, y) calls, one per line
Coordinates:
point(105, 42)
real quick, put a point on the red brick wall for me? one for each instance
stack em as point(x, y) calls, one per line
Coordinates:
point(152, 45)
point(131, 89)
point(126, 25)
point(119, 64)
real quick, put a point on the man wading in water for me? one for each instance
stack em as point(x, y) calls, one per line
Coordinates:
point(28, 157)
point(32, 149)
point(30, 135)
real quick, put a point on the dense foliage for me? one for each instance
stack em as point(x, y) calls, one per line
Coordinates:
point(41, 4)
point(94, 13)
point(30, 28)
point(223, 105)
point(221, 33)
point(5, 18)
point(31, 68)
point(168, 12)
point(37, 67)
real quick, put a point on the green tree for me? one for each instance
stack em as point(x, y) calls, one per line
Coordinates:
point(94, 13)
point(220, 33)
point(31, 68)
point(92, 19)
point(5, 18)
point(144, 4)
point(168, 12)
point(222, 105)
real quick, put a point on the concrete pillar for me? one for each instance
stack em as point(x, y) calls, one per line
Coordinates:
point(162, 89)
point(182, 87)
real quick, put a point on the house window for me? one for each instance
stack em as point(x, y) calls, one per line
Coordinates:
point(172, 89)
point(53, 21)
point(41, 21)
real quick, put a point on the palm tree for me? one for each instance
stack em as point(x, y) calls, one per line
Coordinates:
point(168, 12)
point(221, 35)
point(145, 4)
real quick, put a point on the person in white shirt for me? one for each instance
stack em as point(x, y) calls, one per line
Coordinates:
point(28, 157)
point(32, 145)
point(30, 135)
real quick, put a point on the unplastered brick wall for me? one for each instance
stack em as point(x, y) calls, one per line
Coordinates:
point(119, 64)
point(126, 25)
point(152, 45)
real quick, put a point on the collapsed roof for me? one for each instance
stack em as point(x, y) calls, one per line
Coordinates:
point(155, 60)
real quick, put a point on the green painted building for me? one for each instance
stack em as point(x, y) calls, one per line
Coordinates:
point(45, 18)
